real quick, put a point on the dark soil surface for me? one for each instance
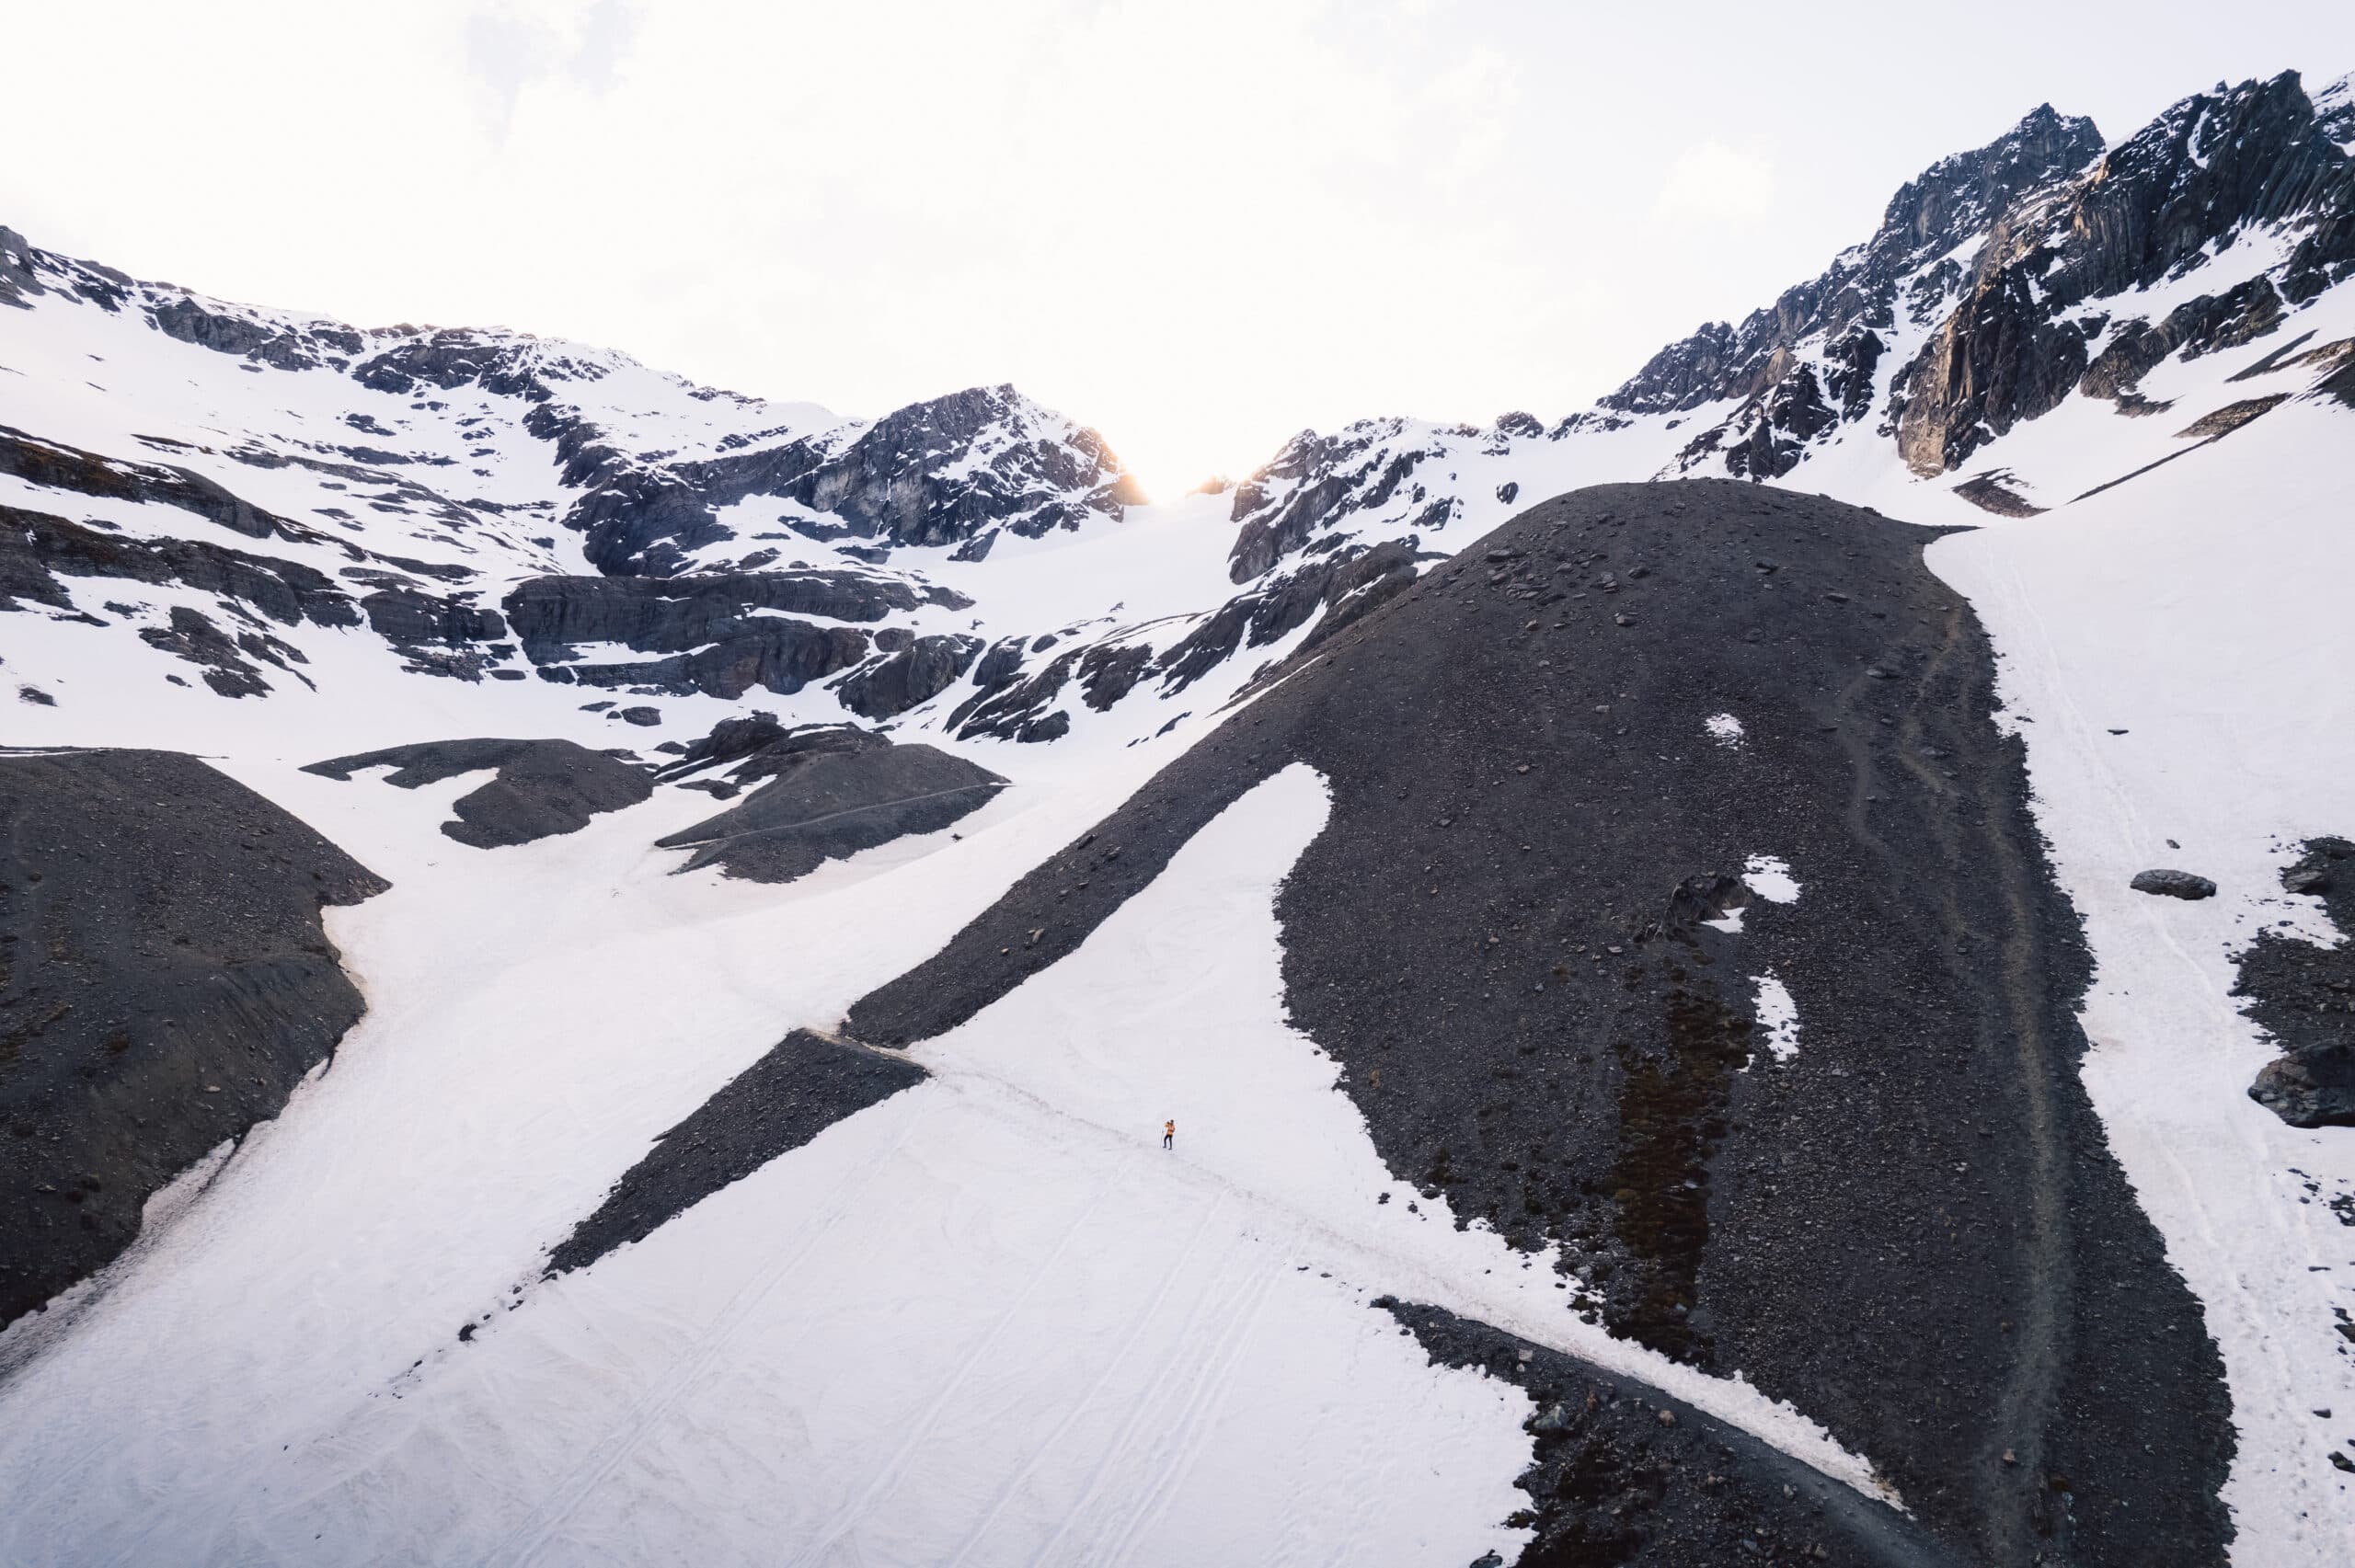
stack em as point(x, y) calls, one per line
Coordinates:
point(1625, 1474)
point(544, 787)
point(805, 1085)
point(829, 794)
point(164, 983)
point(2304, 997)
point(1914, 1229)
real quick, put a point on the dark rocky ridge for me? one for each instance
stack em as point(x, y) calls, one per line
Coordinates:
point(1914, 1230)
point(1337, 585)
point(36, 548)
point(829, 794)
point(944, 471)
point(59, 467)
point(2192, 182)
point(1625, 1474)
point(1998, 254)
point(164, 983)
point(803, 1085)
point(720, 631)
point(2304, 996)
point(1952, 201)
point(541, 788)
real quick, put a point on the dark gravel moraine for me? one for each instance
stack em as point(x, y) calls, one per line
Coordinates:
point(164, 983)
point(539, 788)
point(1623, 1473)
point(1912, 1230)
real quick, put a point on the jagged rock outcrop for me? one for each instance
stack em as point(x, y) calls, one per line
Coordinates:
point(2212, 169)
point(726, 633)
point(909, 676)
point(1948, 204)
point(1317, 481)
point(164, 983)
point(673, 615)
point(948, 470)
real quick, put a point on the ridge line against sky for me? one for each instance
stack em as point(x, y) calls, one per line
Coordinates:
point(1197, 229)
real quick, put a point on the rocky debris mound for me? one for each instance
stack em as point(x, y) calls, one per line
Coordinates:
point(2173, 884)
point(542, 788)
point(1508, 950)
point(1622, 1474)
point(829, 794)
point(2304, 996)
point(165, 982)
point(803, 1085)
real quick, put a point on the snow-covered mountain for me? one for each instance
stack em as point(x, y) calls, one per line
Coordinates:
point(1671, 890)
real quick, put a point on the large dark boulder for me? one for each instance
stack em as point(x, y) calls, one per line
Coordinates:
point(2174, 884)
point(542, 788)
point(164, 983)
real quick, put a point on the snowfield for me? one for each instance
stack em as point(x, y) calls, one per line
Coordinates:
point(988, 1321)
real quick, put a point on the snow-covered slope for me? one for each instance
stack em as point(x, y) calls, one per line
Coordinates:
point(986, 1320)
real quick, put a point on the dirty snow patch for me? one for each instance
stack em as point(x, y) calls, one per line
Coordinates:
point(1724, 728)
point(1769, 876)
point(1779, 1016)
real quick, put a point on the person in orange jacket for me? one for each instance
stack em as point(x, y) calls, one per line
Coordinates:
point(1169, 1134)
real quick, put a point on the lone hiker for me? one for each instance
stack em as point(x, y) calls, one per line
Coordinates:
point(1169, 1134)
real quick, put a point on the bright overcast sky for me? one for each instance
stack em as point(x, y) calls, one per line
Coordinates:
point(1198, 226)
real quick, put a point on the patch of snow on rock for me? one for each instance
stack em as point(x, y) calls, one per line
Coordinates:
point(1769, 876)
point(1779, 1016)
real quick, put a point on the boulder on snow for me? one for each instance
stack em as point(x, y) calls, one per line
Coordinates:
point(2307, 1091)
point(2173, 884)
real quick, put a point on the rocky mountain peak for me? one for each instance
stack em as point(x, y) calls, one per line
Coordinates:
point(1942, 209)
point(1954, 200)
